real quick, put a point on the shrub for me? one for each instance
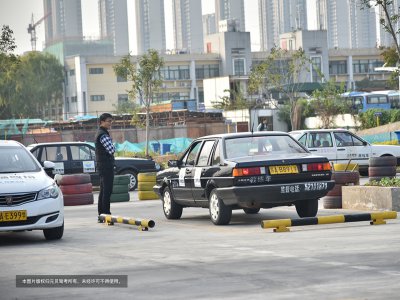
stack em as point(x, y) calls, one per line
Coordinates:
point(385, 182)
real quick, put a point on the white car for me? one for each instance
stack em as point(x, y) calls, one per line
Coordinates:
point(342, 146)
point(29, 198)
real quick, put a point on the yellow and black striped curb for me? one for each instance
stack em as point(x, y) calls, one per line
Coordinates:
point(377, 218)
point(142, 223)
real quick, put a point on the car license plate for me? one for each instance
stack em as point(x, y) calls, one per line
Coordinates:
point(13, 215)
point(289, 169)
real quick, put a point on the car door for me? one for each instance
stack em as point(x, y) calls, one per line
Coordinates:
point(57, 154)
point(200, 172)
point(82, 159)
point(183, 190)
point(321, 143)
point(350, 147)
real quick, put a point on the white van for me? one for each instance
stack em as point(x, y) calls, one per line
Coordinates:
point(29, 198)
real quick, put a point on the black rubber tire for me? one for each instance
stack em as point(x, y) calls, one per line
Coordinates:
point(123, 197)
point(76, 189)
point(307, 208)
point(344, 177)
point(382, 161)
point(172, 210)
point(220, 214)
point(78, 199)
point(133, 181)
point(121, 179)
point(382, 171)
point(55, 233)
point(251, 211)
point(73, 179)
point(332, 202)
point(336, 191)
point(120, 188)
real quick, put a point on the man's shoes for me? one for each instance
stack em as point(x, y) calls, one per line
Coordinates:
point(100, 220)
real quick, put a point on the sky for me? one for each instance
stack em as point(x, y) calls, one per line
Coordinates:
point(18, 14)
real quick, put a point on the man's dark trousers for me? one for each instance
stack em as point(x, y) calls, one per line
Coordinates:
point(106, 186)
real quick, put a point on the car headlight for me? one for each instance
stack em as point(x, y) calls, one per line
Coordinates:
point(158, 167)
point(49, 192)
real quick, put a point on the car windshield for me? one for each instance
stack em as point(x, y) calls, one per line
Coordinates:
point(261, 145)
point(15, 159)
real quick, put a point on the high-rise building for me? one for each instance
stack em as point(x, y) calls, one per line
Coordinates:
point(384, 38)
point(230, 9)
point(63, 21)
point(113, 17)
point(349, 26)
point(188, 27)
point(150, 25)
point(209, 24)
point(280, 16)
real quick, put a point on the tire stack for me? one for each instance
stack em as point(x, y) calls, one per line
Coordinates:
point(120, 192)
point(382, 167)
point(334, 197)
point(76, 188)
point(145, 186)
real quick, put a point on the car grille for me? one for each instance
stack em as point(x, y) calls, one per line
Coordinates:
point(17, 199)
point(29, 221)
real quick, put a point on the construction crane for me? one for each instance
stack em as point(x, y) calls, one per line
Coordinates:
point(32, 29)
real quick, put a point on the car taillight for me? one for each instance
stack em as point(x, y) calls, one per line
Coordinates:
point(317, 167)
point(237, 172)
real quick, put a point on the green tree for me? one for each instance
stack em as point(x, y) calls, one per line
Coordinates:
point(327, 103)
point(283, 72)
point(7, 40)
point(145, 75)
point(38, 86)
point(235, 100)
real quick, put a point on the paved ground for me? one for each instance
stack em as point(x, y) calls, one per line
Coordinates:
point(193, 259)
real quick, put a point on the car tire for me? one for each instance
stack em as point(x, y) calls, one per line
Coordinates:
point(121, 179)
point(148, 195)
point(133, 178)
point(344, 177)
point(120, 188)
point(172, 210)
point(251, 211)
point(382, 161)
point(76, 189)
point(332, 202)
point(147, 177)
point(307, 208)
point(55, 233)
point(78, 199)
point(146, 186)
point(386, 171)
point(73, 179)
point(220, 214)
point(123, 197)
point(336, 191)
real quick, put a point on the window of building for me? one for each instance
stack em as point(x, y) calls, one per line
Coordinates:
point(207, 71)
point(74, 99)
point(337, 67)
point(121, 79)
point(72, 72)
point(316, 69)
point(96, 71)
point(239, 66)
point(97, 98)
point(122, 98)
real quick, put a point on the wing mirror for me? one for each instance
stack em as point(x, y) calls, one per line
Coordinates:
point(174, 163)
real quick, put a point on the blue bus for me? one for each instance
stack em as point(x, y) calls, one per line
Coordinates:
point(362, 101)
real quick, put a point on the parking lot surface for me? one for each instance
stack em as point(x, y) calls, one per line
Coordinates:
point(193, 259)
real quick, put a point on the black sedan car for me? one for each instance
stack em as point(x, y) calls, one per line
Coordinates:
point(80, 157)
point(245, 171)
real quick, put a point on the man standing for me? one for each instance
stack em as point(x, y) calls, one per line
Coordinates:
point(263, 126)
point(105, 163)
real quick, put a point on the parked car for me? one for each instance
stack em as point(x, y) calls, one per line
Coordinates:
point(29, 199)
point(342, 146)
point(80, 157)
point(245, 171)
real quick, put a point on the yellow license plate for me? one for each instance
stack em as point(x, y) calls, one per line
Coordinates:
point(290, 169)
point(13, 215)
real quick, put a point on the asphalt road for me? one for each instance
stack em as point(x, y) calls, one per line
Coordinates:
point(193, 259)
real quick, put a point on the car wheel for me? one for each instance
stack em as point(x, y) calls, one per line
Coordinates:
point(220, 213)
point(55, 233)
point(132, 179)
point(172, 210)
point(251, 211)
point(307, 208)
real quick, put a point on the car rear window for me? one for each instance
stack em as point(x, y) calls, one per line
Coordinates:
point(261, 145)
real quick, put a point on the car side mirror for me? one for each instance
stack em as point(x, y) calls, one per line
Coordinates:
point(365, 143)
point(174, 163)
point(48, 165)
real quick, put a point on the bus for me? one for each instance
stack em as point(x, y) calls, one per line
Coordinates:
point(362, 101)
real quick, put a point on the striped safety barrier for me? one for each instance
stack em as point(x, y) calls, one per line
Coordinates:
point(143, 224)
point(376, 218)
